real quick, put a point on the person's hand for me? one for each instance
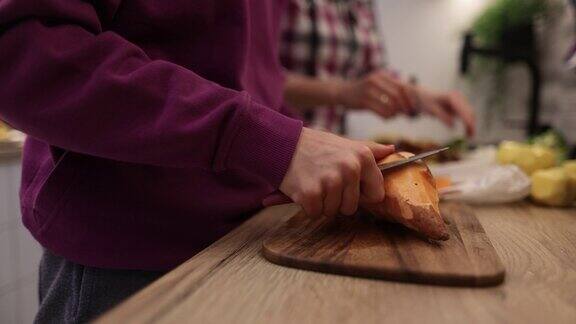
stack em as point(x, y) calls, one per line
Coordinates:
point(379, 92)
point(330, 174)
point(446, 106)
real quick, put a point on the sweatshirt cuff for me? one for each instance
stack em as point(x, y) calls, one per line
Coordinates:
point(263, 143)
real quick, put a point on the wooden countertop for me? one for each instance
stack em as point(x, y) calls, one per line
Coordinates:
point(230, 282)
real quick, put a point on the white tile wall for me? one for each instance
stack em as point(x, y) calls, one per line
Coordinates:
point(19, 253)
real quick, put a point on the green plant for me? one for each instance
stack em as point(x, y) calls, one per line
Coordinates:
point(506, 15)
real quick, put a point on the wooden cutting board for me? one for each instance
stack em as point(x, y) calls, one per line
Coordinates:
point(364, 247)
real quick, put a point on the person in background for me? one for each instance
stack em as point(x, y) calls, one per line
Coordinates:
point(334, 58)
point(154, 128)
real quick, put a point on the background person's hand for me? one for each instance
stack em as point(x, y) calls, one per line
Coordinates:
point(446, 106)
point(379, 92)
point(330, 174)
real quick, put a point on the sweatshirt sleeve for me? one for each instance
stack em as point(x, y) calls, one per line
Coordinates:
point(66, 82)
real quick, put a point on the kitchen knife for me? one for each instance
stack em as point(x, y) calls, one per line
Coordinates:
point(395, 164)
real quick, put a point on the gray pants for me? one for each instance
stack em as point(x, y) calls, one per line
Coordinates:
point(73, 293)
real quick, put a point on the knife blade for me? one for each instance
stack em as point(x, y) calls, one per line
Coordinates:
point(395, 164)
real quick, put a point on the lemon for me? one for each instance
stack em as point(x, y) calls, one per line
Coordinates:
point(527, 157)
point(552, 187)
point(570, 169)
point(510, 151)
point(544, 157)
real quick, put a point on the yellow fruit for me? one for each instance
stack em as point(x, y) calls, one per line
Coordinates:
point(509, 151)
point(569, 166)
point(570, 170)
point(552, 187)
point(544, 157)
point(527, 157)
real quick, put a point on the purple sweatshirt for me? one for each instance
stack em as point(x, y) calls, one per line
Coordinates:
point(155, 127)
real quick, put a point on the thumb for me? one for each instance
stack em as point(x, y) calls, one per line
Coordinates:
point(380, 151)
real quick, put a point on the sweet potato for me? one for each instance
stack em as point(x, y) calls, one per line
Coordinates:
point(411, 199)
point(442, 182)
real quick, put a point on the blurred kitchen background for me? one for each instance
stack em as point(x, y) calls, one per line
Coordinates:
point(424, 39)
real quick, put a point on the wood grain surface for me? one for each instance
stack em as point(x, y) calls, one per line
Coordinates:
point(230, 282)
point(362, 247)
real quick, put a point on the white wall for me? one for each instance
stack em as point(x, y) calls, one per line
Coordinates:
point(423, 37)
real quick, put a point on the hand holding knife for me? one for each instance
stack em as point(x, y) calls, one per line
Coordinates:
point(278, 198)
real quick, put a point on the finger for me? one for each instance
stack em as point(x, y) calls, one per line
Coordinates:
point(311, 201)
point(363, 200)
point(371, 181)
point(395, 88)
point(371, 186)
point(405, 100)
point(381, 90)
point(333, 198)
point(350, 198)
point(384, 98)
point(415, 101)
point(406, 92)
point(382, 110)
point(439, 112)
point(380, 151)
point(463, 110)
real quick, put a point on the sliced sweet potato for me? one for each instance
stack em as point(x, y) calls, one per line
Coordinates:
point(442, 182)
point(411, 199)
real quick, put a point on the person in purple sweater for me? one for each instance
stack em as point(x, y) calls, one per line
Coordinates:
point(154, 128)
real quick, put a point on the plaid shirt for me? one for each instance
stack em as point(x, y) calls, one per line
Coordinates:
point(330, 39)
